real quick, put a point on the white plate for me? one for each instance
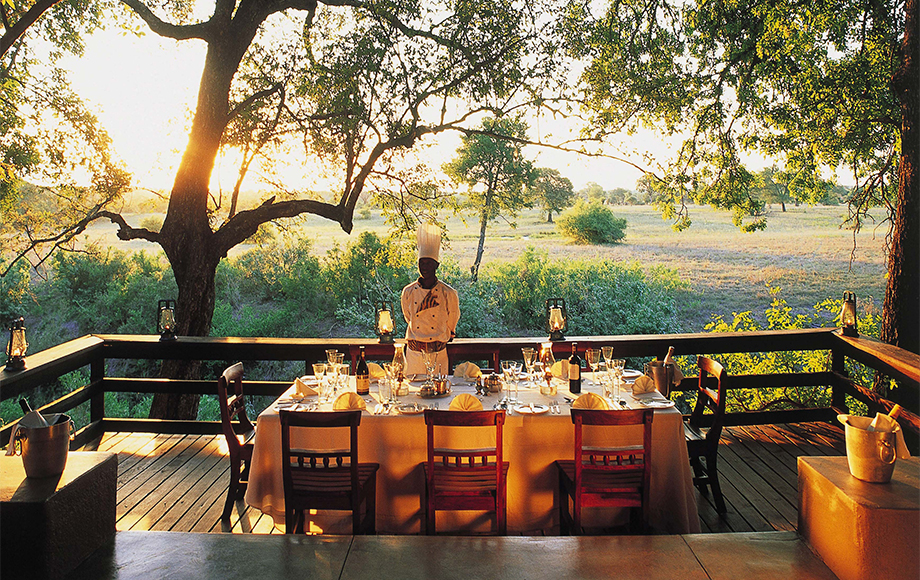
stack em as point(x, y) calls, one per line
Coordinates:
point(410, 409)
point(655, 403)
point(631, 374)
point(526, 410)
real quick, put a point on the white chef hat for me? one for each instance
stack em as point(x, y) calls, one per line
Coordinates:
point(429, 241)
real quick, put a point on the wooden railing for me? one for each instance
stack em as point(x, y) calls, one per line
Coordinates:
point(93, 351)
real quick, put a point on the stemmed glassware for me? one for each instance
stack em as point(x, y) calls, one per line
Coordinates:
point(592, 357)
point(616, 368)
point(430, 357)
point(529, 356)
point(608, 354)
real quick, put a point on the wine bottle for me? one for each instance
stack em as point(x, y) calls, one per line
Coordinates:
point(574, 371)
point(669, 358)
point(26, 407)
point(362, 375)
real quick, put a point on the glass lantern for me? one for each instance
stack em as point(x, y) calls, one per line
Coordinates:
point(16, 347)
point(556, 318)
point(383, 322)
point(166, 319)
point(848, 315)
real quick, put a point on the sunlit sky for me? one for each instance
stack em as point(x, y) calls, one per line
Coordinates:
point(143, 90)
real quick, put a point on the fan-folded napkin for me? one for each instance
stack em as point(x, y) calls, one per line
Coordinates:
point(590, 401)
point(376, 371)
point(303, 389)
point(349, 401)
point(643, 384)
point(465, 402)
point(468, 371)
point(560, 370)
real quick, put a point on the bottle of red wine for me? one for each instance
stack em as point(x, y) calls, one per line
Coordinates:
point(362, 375)
point(574, 371)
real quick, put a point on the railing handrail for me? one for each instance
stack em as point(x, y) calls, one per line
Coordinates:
point(93, 350)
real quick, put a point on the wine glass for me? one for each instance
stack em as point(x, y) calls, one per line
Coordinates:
point(331, 355)
point(608, 354)
point(516, 380)
point(319, 370)
point(507, 371)
point(430, 357)
point(529, 357)
point(592, 357)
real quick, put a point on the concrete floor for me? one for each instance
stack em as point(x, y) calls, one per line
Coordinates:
point(174, 556)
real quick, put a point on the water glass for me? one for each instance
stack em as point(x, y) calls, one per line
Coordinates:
point(592, 357)
point(331, 355)
point(319, 369)
point(384, 390)
point(516, 380)
point(506, 378)
point(530, 356)
point(326, 390)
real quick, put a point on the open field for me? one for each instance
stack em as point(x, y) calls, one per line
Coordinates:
point(803, 251)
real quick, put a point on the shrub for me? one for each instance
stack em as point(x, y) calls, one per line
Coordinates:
point(591, 223)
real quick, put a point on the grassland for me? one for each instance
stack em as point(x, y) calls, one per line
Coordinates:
point(804, 251)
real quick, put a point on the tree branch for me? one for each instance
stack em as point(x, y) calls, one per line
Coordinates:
point(15, 31)
point(245, 223)
point(202, 30)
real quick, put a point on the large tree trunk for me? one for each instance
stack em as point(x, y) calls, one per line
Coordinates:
point(186, 235)
point(901, 315)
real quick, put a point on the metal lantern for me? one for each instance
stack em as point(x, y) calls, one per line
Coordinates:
point(166, 319)
point(848, 314)
point(383, 322)
point(16, 347)
point(556, 318)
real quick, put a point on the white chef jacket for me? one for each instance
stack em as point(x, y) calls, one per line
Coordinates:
point(431, 316)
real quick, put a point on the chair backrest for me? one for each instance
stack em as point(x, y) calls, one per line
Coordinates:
point(465, 460)
point(635, 459)
point(232, 405)
point(305, 461)
point(712, 399)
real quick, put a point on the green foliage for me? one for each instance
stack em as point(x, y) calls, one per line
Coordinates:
point(592, 223)
point(779, 316)
point(553, 191)
point(602, 297)
point(811, 84)
point(14, 290)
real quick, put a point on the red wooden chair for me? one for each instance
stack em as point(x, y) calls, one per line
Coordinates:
point(465, 479)
point(704, 444)
point(605, 477)
point(238, 431)
point(327, 479)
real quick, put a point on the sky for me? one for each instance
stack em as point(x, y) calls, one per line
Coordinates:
point(143, 88)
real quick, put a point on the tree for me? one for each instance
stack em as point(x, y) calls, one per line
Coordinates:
point(592, 192)
point(491, 163)
point(553, 191)
point(356, 84)
point(820, 85)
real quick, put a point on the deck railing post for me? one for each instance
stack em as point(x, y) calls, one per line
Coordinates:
point(97, 403)
point(838, 393)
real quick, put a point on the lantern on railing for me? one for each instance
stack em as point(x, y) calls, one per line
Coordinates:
point(383, 322)
point(848, 315)
point(556, 318)
point(166, 319)
point(16, 347)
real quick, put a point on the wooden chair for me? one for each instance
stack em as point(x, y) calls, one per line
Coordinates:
point(240, 434)
point(605, 476)
point(705, 444)
point(465, 479)
point(327, 479)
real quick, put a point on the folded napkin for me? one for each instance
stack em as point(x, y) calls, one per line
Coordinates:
point(643, 384)
point(560, 370)
point(678, 375)
point(468, 371)
point(465, 402)
point(303, 389)
point(886, 424)
point(590, 401)
point(349, 401)
point(376, 371)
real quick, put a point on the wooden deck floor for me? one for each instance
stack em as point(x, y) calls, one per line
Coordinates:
point(178, 482)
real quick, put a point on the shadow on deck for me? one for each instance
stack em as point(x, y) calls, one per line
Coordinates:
point(178, 482)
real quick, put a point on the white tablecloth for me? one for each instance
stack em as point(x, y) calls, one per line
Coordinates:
point(531, 444)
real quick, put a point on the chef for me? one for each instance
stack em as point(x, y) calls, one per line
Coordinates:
point(431, 307)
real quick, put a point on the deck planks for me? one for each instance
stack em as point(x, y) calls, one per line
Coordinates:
point(179, 482)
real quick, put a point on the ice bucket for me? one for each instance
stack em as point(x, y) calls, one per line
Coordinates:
point(662, 374)
point(870, 454)
point(44, 449)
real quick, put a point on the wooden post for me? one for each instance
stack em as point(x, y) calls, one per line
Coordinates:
point(97, 402)
point(838, 393)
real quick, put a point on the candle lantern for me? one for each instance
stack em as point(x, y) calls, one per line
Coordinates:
point(16, 347)
point(383, 322)
point(556, 318)
point(166, 319)
point(848, 314)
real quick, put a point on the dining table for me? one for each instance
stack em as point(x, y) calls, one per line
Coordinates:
point(537, 432)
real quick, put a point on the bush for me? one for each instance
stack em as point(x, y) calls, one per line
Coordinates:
point(591, 223)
